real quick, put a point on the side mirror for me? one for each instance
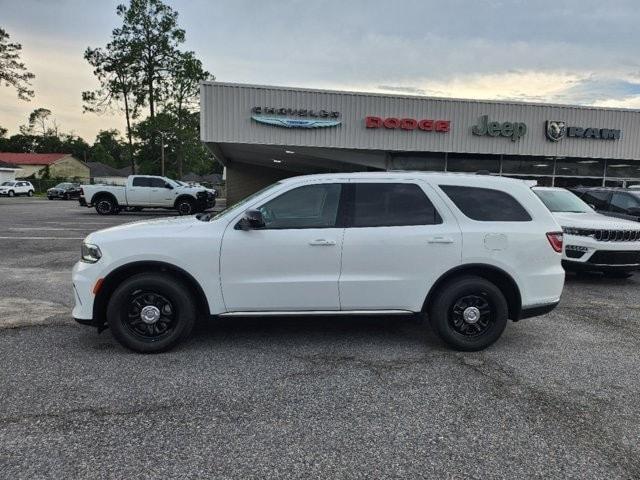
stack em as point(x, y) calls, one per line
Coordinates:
point(168, 185)
point(252, 220)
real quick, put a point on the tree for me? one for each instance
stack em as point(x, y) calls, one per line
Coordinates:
point(150, 32)
point(108, 148)
point(182, 94)
point(40, 123)
point(115, 69)
point(13, 72)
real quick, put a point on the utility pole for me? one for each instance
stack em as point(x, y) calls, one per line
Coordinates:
point(162, 154)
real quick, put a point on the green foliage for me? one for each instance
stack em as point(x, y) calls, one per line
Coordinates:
point(13, 72)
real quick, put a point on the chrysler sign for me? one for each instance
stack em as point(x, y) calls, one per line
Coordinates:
point(295, 117)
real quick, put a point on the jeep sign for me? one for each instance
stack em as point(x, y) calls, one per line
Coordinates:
point(513, 130)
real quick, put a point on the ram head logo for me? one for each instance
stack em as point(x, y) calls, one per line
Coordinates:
point(556, 130)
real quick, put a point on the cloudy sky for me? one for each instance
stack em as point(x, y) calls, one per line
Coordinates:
point(578, 52)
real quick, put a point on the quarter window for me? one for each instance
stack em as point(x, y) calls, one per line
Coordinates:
point(311, 206)
point(392, 204)
point(486, 205)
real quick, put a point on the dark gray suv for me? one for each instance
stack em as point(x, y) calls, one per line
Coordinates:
point(615, 202)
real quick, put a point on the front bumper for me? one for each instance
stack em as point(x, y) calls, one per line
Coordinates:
point(84, 278)
point(588, 254)
point(205, 200)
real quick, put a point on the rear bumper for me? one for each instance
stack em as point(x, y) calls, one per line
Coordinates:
point(537, 310)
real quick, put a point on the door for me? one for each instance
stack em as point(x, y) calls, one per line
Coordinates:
point(399, 239)
point(138, 192)
point(159, 194)
point(625, 205)
point(293, 263)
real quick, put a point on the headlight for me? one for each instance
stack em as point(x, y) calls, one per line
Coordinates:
point(570, 230)
point(90, 253)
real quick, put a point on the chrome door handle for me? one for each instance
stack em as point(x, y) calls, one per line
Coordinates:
point(321, 242)
point(443, 240)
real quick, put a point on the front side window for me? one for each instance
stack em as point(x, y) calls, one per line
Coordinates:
point(141, 182)
point(310, 206)
point(486, 204)
point(597, 198)
point(157, 183)
point(622, 202)
point(392, 205)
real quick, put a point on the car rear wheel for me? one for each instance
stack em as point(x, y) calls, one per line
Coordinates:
point(185, 207)
point(30, 193)
point(150, 312)
point(106, 206)
point(469, 313)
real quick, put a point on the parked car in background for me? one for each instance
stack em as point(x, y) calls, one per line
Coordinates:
point(593, 242)
point(16, 187)
point(614, 202)
point(147, 191)
point(64, 191)
point(469, 251)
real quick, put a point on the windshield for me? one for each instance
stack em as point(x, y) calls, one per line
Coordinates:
point(244, 201)
point(63, 185)
point(562, 201)
point(8, 184)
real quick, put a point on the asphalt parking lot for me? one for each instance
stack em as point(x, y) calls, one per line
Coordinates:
point(556, 397)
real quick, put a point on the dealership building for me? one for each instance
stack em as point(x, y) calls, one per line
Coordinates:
point(262, 134)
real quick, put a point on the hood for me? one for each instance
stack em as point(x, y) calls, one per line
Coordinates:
point(594, 220)
point(164, 227)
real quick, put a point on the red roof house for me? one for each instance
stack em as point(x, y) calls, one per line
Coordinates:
point(62, 165)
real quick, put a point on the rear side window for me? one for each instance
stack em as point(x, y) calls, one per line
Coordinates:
point(141, 182)
point(486, 204)
point(391, 205)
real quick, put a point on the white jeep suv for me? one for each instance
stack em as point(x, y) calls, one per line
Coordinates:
point(469, 251)
point(593, 242)
point(16, 187)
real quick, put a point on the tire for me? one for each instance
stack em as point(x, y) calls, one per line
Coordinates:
point(185, 206)
point(175, 322)
point(65, 196)
point(50, 198)
point(106, 206)
point(451, 306)
point(12, 193)
point(617, 274)
point(30, 193)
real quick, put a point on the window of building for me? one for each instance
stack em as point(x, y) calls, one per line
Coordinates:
point(392, 204)
point(473, 164)
point(432, 162)
point(311, 206)
point(486, 205)
point(577, 182)
point(141, 182)
point(623, 168)
point(527, 165)
point(580, 167)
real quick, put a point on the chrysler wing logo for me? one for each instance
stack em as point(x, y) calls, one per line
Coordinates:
point(295, 122)
point(556, 130)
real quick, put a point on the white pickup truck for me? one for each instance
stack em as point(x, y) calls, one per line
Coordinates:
point(147, 191)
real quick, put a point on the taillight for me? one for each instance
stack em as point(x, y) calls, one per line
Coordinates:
point(555, 240)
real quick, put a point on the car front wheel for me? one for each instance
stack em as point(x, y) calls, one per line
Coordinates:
point(150, 312)
point(185, 207)
point(469, 313)
point(11, 193)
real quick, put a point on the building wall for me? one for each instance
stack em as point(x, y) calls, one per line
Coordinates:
point(7, 175)
point(243, 179)
point(28, 170)
point(226, 118)
point(68, 167)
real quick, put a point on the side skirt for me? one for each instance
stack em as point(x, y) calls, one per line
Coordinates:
point(315, 312)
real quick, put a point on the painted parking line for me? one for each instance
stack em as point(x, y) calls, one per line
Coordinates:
point(48, 229)
point(42, 238)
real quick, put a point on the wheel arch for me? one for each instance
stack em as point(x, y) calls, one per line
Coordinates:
point(495, 275)
point(184, 196)
point(117, 276)
point(98, 195)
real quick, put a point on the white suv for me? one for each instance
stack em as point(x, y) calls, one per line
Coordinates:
point(469, 251)
point(593, 242)
point(16, 187)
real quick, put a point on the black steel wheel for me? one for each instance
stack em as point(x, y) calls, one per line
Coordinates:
point(185, 206)
point(151, 312)
point(469, 313)
point(105, 206)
